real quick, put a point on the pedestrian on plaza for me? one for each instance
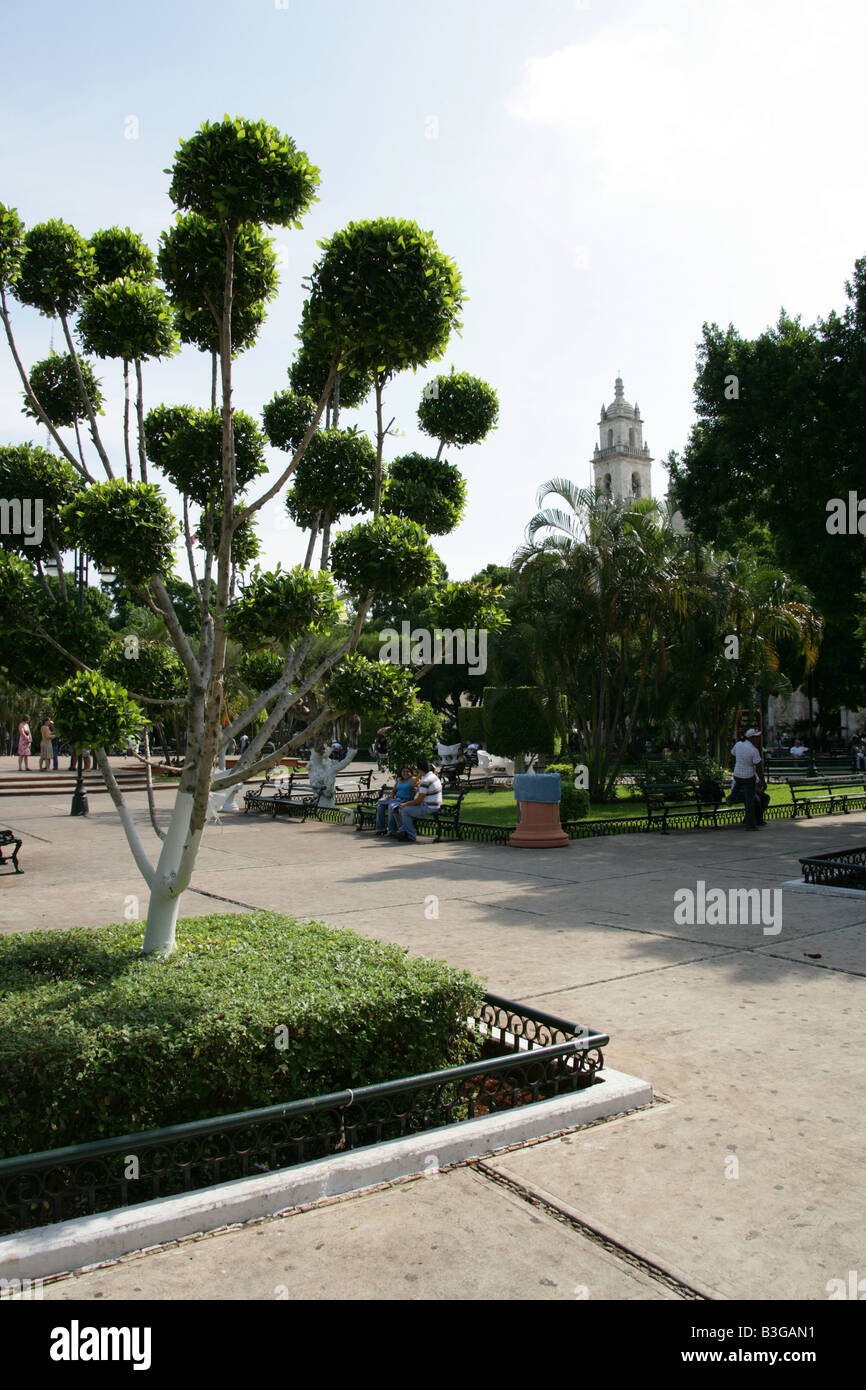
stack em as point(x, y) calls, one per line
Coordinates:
point(46, 734)
point(25, 739)
point(749, 781)
point(427, 800)
point(386, 809)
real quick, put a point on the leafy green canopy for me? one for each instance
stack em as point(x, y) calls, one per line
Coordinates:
point(467, 604)
point(384, 295)
point(186, 444)
point(11, 245)
point(260, 670)
point(127, 319)
point(28, 471)
point(336, 476)
point(238, 171)
point(57, 270)
point(124, 526)
point(287, 418)
point(192, 260)
point(413, 736)
point(91, 711)
point(26, 658)
point(280, 606)
point(429, 491)
point(458, 409)
point(151, 669)
point(360, 686)
point(390, 555)
point(121, 254)
point(54, 382)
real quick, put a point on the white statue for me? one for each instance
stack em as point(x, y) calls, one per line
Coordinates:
point(322, 771)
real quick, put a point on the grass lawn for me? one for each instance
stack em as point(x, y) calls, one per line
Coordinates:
point(499, 807)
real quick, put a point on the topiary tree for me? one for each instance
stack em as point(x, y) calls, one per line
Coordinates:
point(470, 723)
point(382, 298)
point(516, 723)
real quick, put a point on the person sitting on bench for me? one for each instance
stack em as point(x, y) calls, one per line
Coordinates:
point(426, 802)
point(404, 790)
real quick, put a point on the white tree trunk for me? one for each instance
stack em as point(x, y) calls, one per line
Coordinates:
point(171, 878)
point(322, 772)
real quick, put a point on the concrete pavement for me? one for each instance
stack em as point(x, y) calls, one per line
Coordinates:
point(744, 1181)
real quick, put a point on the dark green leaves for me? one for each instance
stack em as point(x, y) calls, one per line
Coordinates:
point(57, 270)
point(390, 555)
point(383, 295)
point(127, 319)
point(124, 526)
point(91, 711)
point(429, 491)
point(280, 606)
point(11, 245)
point(458, 409)
point(238, 171)
point(370, 687)
point(55, 384)
point(186, 444)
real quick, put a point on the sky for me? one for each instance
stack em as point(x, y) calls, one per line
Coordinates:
point(607, 177)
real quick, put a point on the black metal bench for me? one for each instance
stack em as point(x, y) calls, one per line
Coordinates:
point(448, 814)
point(831, 790)
point(7, 838)
point(346, 797)
point(282, 798)
point(665, 798)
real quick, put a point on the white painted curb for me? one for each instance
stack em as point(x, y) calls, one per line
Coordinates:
point(90, 1240)
point(827, 890)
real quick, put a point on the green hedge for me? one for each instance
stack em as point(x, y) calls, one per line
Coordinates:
point(470, 723)
point(97, 1040)
point(575, 800)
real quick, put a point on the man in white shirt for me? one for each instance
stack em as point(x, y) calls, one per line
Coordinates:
point(748, 777)
point(428, 798)
point(799, 749)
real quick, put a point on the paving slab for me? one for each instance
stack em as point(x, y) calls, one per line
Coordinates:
point(754, 1042)
point(452, 1236)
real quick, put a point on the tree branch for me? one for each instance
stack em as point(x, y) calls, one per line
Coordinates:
point(94, 428)
point(78, 465)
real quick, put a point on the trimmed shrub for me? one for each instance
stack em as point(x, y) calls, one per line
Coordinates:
point(97, 1040)
point(516, 721)
point(470, 722)
point(575, 800)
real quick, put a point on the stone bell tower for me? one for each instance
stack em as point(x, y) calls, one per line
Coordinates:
point(621, 461)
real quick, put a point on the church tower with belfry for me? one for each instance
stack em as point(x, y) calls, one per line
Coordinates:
point(621, 461)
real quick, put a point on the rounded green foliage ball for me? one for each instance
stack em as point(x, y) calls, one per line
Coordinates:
point(121, 254)
point(91, 711)
point(238, 171)
point(280, 606)
point(390, 556)
point(360, 686)
point(124, 526)
point(128, 319)
point(57, 270)
point(427, 490)
point(55, 385)
point(458, 409)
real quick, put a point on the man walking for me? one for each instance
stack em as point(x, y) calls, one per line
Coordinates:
point(748, 778)
point(427, 799)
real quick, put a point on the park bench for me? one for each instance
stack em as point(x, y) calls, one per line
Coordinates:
point(447, 814)
point(8, 838)
point(282, 798)
point(346, 796)
point(823, 791)
point(665, 798)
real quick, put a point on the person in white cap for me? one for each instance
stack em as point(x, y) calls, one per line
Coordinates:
point(748, 777)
